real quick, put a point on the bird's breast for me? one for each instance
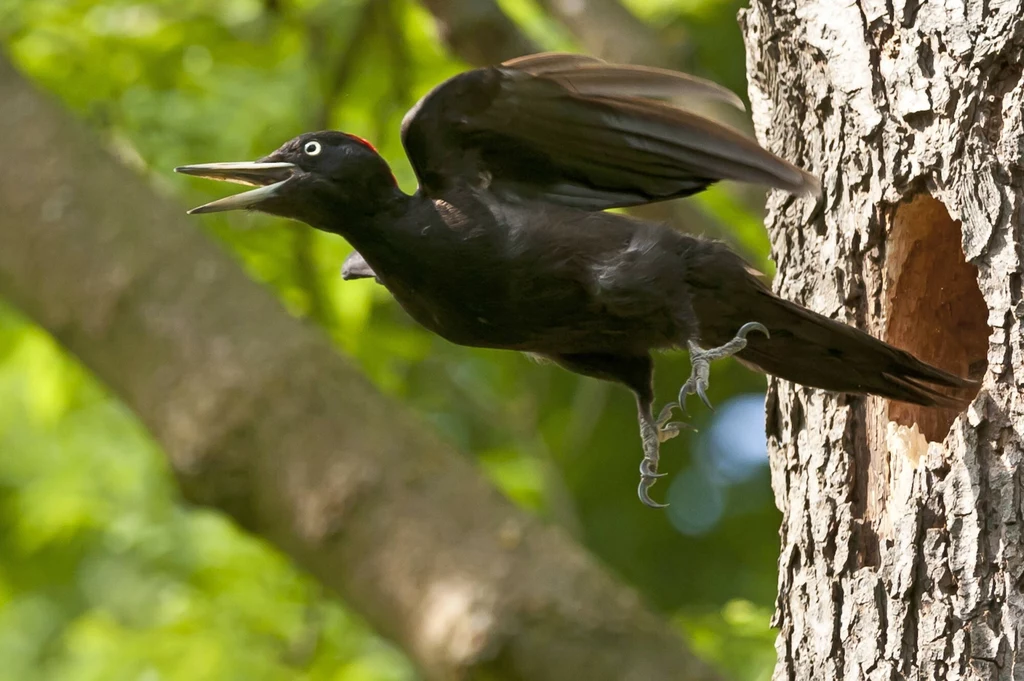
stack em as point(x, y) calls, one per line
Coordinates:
point(497, 279)
point(464, 307)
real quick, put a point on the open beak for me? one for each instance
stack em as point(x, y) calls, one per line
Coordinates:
point(268, 178)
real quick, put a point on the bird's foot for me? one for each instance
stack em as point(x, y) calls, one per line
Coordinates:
point(655, 431)
point(667, 428)
point(700, 363)
point(648, 476)
point(651, 434)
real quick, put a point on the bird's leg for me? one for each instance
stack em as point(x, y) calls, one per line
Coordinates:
point(651, 435)
point(700, 363)
point(653, 432)
point(637, 372)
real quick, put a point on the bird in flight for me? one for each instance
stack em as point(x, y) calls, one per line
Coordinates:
point(506, 242)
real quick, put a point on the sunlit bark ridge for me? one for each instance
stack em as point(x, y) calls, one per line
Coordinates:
point(902, 536)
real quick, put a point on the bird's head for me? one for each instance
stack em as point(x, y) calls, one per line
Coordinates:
point(318, 178)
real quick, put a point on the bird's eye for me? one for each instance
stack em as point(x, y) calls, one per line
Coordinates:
point(312, 148)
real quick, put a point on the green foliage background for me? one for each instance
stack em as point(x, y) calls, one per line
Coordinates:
point(104, 574)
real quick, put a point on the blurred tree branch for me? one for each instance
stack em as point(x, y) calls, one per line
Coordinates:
point(335, 72)
point(608, 29)
point(478, 32)
point(262, 419)
point(398, 55)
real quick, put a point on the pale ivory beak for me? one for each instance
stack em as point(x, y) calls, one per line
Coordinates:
point(267, 177)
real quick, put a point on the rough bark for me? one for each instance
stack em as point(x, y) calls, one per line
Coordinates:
point(261, 418)
point(902, 538)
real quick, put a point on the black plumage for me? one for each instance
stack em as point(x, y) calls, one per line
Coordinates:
point(506, 245)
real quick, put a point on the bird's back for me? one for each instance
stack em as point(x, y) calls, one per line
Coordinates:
point(535, 277)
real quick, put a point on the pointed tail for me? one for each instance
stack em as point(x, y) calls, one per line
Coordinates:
point(806, 347)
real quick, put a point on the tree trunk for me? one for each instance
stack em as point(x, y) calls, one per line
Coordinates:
point(901, 542)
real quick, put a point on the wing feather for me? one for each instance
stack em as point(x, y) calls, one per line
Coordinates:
point(612, 80)
point(545, 62)
point(578, 131)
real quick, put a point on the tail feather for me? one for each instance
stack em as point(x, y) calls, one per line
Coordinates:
point(808, 348)
point(813, 350)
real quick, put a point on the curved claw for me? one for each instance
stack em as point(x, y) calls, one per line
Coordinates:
point(666, 413)
point(684, 392)
point(648, 476)
point(752, 326)
point(703, 395)
point(642, 491)
point(647, 470)
point(669, 430)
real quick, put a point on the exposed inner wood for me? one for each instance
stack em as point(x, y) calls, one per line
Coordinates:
point(935, 308)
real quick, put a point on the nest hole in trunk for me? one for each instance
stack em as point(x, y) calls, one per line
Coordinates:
point(935, 307)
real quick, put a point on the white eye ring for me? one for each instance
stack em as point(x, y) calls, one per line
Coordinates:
point(312, 148)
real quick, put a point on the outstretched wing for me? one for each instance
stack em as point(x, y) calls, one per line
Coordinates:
point(578, 131)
